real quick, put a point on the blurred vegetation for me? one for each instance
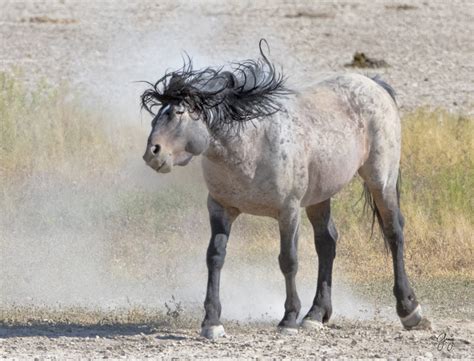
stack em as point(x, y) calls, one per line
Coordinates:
point(437, 201)
point(47, 130)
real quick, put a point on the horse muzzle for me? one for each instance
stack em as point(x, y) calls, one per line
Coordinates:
point(161, 162)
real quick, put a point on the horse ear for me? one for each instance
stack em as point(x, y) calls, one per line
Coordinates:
point(230, 79)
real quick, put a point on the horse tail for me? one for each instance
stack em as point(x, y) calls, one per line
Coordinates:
point(369, 203)
point(388, 88)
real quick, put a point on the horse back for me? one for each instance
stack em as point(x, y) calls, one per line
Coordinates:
point(346, 119)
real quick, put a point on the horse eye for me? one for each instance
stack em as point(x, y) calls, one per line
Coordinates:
point(179, 112)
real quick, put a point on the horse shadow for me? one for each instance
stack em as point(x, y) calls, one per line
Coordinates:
point(91, 331)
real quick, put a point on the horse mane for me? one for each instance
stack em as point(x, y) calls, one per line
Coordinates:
point(222, 98)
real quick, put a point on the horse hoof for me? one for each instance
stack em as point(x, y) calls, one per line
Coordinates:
point(288, 331)
point(311, 324)
point(413, 319)
point(213, 332)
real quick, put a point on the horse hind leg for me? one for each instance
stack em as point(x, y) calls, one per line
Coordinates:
point(325, 237)
point(384, 199)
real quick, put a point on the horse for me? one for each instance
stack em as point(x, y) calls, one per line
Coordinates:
point(269, 150)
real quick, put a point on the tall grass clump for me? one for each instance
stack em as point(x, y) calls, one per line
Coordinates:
point(437, 200)
point(438, 195)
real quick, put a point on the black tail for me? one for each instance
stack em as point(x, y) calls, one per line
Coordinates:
point(386, 86)
point(370, 203)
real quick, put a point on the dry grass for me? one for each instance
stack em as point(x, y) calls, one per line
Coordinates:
point(48, 131)
point(437, 201)
point(44, 129)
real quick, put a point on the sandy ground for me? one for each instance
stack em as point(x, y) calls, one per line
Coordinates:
point(427, 44)
point(98, 45)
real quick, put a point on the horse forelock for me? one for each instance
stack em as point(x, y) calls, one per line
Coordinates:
point(224, 99)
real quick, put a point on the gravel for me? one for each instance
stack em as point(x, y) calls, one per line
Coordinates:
point(341, 338)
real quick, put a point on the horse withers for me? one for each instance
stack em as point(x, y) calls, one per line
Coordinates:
point(268, 151)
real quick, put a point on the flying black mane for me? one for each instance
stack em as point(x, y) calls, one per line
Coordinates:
point(222, 98)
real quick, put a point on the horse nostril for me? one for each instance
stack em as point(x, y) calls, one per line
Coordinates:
point(155, 149)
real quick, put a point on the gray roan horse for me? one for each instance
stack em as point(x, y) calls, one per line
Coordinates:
point(269, 151)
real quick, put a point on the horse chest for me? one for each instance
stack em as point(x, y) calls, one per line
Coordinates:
point(251, 188)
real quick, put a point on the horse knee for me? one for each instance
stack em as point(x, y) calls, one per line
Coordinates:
point(216, 252)
point(288, 263)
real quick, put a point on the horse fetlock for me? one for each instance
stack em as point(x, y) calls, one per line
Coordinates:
point(406, 301)
point(291, 315)
point(211, 319)
point(213, 312)
point(319, 313)
point(289, 321)
point(408, 309)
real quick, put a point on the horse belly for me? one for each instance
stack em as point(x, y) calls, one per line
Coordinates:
point(259, 194)
point(257, 201)
point(331, 170)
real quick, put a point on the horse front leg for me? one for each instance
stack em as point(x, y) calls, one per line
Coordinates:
point(221, 221)
point(289, 221)
point(325, 237)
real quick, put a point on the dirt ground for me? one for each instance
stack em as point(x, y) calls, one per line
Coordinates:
point(109, 44)
point(341, 339)
point(97, 45)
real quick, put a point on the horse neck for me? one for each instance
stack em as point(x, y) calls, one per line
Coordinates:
point(236, 148)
